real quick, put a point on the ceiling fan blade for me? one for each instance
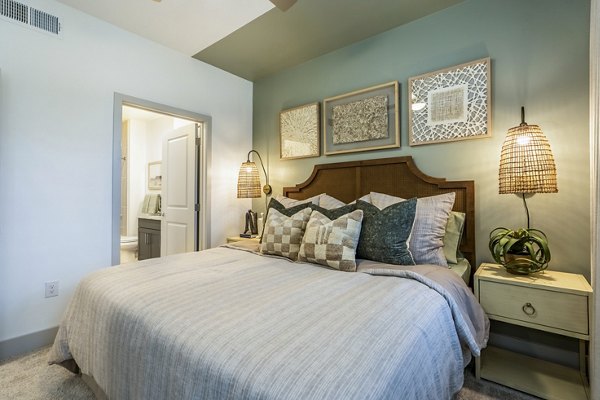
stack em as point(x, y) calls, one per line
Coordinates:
point(283, 5)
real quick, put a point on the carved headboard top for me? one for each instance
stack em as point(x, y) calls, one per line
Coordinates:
point(398, 176)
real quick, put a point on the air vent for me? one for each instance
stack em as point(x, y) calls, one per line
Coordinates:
point(14, 10)
point(44, 21)
point(29, 16)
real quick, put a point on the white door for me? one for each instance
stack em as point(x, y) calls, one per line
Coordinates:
point(179, 191)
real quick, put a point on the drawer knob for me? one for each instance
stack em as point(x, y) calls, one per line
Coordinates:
point(528, 309)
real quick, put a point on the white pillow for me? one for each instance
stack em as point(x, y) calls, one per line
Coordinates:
point(366, 198)
point(382, 200)
point(329, 203)
point(287, 202)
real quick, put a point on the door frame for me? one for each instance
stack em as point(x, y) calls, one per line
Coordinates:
point(203, 163)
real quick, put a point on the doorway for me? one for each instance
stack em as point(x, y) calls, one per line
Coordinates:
point(160, 201)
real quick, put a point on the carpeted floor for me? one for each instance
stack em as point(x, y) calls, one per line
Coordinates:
point(29, 377)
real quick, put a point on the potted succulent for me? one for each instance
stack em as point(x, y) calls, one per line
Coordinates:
point(521, 251)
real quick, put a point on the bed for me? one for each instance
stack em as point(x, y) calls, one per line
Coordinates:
point(230, 322)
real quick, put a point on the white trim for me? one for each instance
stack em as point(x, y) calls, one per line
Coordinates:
point(594, 195)
point(203, 180)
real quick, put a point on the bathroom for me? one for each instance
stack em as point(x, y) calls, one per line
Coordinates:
point(142, 140)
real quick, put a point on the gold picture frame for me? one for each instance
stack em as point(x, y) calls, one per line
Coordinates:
point(363, 120)
point(450, 104)
point(299, 133)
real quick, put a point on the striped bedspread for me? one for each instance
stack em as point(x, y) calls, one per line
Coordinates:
point(230, 324)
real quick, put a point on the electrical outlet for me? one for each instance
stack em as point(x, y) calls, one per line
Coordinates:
point(52, 289)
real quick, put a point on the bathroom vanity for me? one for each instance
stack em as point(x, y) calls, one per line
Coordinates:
point(148, 238)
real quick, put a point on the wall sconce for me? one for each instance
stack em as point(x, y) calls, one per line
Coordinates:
point(249, 187)
point(526, 166)
point(249, 180)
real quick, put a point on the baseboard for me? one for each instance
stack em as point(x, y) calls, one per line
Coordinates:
point(27, 343)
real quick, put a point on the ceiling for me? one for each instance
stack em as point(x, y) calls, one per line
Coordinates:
point(187, 26)
point(250, 38)
point(278, 40)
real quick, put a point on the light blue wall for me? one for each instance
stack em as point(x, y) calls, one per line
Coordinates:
point(539, 52)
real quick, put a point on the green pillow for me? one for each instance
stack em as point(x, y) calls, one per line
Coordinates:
point(334, 213)
point(288, 212)
point(454, 230)
point(385, 233)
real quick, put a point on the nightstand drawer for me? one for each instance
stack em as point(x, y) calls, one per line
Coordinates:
point(545, 308)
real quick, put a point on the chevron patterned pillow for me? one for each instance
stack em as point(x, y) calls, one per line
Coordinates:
point(332, 243)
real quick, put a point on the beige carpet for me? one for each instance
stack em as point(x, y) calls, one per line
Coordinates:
point(29, 377)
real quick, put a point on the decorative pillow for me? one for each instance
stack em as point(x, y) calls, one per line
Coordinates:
point(426, 242)
point(282, 235)
point(328, 202)
point(287, 202)
point(334, 213)
point(385, 233)
point(332, 243)
point(366, 198)
point(382, 200)
point(287, 211)
point(454, 230)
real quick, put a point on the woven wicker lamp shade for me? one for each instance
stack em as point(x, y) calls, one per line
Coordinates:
point(248, 181)
point(248, 186)
point(526, 161)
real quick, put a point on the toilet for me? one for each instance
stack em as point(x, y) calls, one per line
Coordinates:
point(129, 249)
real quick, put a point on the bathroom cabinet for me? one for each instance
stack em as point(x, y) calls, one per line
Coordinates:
point(148, 238)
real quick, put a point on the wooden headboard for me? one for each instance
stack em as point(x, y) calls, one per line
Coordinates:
point(398, 176)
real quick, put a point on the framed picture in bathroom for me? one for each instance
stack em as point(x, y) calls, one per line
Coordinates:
point(154, 176)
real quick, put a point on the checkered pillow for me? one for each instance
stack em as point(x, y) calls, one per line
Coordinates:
point(282, 235)
point(332, 243)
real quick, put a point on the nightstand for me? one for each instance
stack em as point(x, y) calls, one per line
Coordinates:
point(550, 301)
point(232, 239)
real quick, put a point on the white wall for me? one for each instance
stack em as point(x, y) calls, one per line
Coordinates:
point(595, 194)
point(56, 123)
point(138, 173)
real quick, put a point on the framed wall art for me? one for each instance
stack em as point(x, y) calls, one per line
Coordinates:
point(363, 120)
point(299, 132)
point(450, 104)
point(154, 176)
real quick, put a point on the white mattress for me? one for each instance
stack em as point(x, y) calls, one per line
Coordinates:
point(462, 268)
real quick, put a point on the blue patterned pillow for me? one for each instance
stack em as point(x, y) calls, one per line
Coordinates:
point(385, 233)
point(427, 238)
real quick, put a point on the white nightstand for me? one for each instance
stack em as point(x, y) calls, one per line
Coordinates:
point(550, 301)
point(232, 239)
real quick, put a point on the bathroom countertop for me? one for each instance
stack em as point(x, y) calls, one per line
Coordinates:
point(150, 216)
